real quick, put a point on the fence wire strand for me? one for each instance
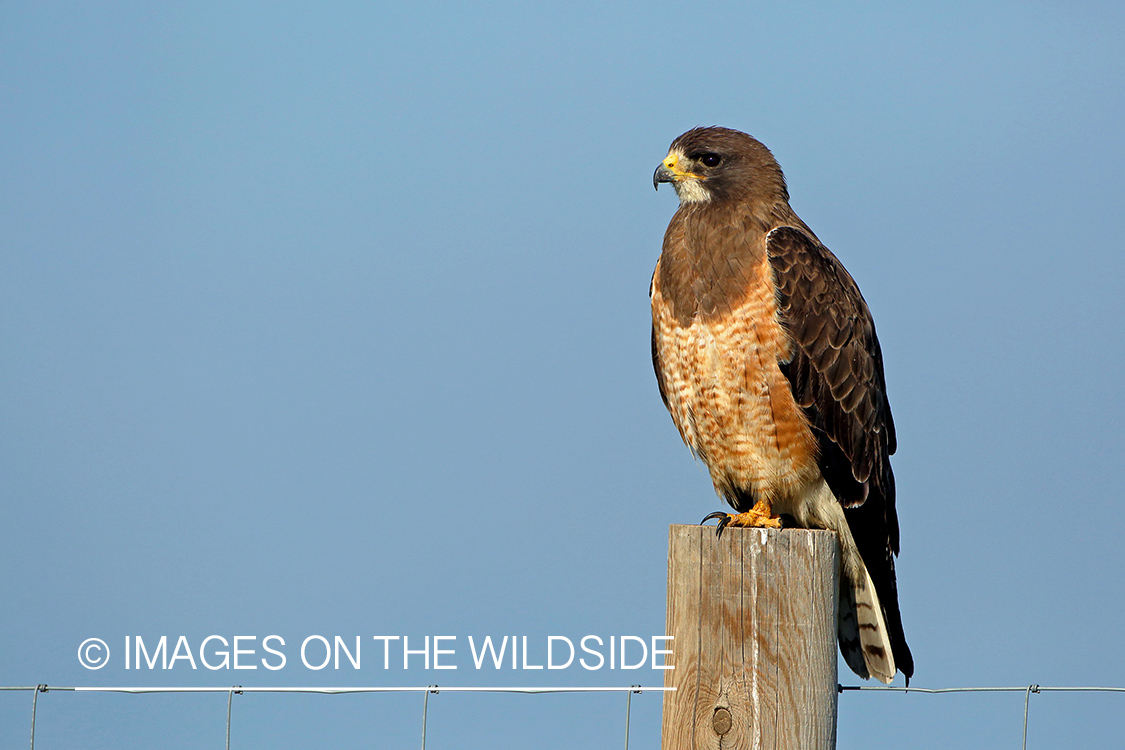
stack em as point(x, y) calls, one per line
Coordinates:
point(239, 690)
point(1027, 690)
point(628, 704)
point(425, 712)
point(34, 702)
point(1026, 700)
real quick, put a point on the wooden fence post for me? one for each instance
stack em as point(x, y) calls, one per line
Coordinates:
point(753, 616)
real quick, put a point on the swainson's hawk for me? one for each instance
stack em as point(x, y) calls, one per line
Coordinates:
point(766, 357)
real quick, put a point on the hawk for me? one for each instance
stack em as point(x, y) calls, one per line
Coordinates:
point(766, 357)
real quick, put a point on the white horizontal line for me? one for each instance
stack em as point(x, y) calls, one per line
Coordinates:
point(339, 690)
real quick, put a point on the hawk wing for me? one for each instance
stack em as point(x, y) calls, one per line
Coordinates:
point(655, 351)
point(836, 373)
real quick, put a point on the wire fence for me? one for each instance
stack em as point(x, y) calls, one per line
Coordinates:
point(429, 690)
point(1027, 690)
point(426, 691)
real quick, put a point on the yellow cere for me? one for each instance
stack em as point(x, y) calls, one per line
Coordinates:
point(672, 162)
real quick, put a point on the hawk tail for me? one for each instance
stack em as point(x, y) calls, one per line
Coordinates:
point(862, 629)
point(862, 624)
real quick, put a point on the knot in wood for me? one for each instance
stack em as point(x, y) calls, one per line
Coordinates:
point(721, 721)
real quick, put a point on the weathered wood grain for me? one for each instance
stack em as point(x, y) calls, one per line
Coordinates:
point(753, 617)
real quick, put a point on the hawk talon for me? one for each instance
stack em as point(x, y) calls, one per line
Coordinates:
point(724, 519)
point(717, 514)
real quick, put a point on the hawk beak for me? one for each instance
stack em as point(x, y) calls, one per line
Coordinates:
point(671, 171)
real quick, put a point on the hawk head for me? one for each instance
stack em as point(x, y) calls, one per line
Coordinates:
point(718, 164)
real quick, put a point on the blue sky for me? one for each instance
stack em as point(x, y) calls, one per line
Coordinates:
point(332, 319)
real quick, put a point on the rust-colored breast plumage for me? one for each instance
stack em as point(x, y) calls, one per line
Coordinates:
point(718, 366)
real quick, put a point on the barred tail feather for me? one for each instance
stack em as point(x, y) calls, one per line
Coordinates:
point(865, 640)
point(862, 631)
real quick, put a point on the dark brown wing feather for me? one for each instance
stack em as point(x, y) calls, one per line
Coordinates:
point(836, 372)
point(656, 354)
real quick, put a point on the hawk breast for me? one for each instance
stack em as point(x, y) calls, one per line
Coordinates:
point(720, 377)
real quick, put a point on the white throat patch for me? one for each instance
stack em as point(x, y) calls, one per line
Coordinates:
point(691, 190)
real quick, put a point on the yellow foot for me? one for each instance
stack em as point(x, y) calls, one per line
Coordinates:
point(760, 516)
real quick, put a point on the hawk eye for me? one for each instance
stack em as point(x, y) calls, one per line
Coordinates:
point(709, 159)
